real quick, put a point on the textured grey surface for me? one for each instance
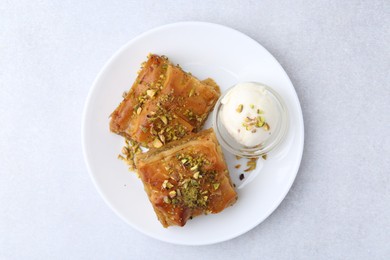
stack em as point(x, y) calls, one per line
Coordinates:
point(338, 57)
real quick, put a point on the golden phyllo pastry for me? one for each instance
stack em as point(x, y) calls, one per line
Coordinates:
point(164, 104)
point(186, 178)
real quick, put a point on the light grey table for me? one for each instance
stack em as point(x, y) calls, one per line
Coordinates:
point(338, 57)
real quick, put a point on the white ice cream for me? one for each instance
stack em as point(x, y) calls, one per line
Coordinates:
point(256, 102)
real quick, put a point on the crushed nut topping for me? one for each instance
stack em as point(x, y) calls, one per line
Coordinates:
point(190, 189)
point(240, 108)
point(251, 164)
point(129, 151)
point(192, 92)
point(157, 143)
point(196, 175)
point(139, 110)
point(172, 194)
point(167, 200)
point(150, 92)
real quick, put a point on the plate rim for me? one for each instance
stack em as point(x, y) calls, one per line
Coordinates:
point(87, 106)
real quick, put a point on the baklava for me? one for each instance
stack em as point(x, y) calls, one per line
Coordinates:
point(164, 104)
point(186, 178)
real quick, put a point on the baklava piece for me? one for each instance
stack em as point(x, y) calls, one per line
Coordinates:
point(186, 178)
point(164, 104)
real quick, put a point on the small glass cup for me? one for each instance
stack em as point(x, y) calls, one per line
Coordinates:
point(236, 148)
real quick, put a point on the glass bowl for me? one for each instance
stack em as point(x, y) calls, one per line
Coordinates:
point(271, 142)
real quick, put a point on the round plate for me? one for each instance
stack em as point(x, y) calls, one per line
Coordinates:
point(205, 50)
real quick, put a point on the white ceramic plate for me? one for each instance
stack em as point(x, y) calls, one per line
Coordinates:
point(206, 50)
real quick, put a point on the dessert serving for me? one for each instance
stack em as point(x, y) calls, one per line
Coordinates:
point(249, 114)
point(250, 119)
point(184, 172)
point(261, 181)
point(164, 104)
point(186, 178)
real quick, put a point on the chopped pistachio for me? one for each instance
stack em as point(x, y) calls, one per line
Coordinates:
point(139, 110)
point(205, 198)
point(252, 106)
point(194, 168)
point(166, 200)
point(266, 127)
point(125, 151)
point(264, 156)
point(152, 131)
point(192, 91)
point(169, 185)
point(237, 166)
point(172, 194)
point(162, 138)
point(239, 108)
point(129, 150)
point(196, 175)
point(164, 185)
point(164, 119)
point(260, 119)
point(216, 186)
point(157, 143)
point(251, 163)
point(150, 92)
